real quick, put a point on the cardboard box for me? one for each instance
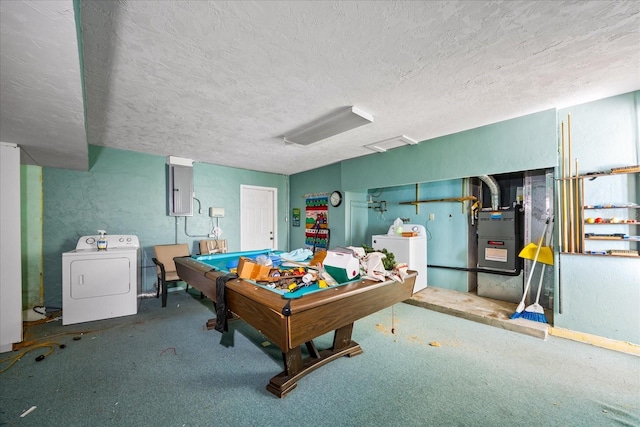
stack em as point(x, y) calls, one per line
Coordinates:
point(245, 267)
point(248, 269)
point(260, 272)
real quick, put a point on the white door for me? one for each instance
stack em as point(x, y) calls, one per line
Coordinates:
point(258, 229)
point(92, 278)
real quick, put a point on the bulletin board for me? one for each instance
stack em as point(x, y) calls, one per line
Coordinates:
point(295, 217)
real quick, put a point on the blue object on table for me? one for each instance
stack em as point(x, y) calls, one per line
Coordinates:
point(276, 260)
point(226, 261)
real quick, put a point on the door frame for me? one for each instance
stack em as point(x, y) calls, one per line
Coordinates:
point(274, 213)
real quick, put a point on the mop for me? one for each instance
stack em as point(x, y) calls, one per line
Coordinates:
point(520, 309)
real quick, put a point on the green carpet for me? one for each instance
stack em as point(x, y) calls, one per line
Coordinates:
point(162, 367)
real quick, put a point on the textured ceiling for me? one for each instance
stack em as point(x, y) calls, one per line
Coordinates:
point(222, 82)
point(41, 106)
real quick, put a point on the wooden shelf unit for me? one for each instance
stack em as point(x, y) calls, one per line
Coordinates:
point(579, 222)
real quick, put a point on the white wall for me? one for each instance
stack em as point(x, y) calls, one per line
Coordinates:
point(10, 254)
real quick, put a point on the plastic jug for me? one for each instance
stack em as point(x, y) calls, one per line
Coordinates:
point(397, 224)
point(102, 241)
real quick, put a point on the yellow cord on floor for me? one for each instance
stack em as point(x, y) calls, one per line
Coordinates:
point(15, 358)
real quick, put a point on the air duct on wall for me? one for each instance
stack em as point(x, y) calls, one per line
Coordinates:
point(495, 190)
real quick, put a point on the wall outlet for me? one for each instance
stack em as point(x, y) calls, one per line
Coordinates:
point(432, 217)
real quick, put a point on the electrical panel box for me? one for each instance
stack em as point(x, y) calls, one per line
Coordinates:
point(180, 190)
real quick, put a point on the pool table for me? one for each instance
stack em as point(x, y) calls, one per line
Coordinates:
point(291, 323)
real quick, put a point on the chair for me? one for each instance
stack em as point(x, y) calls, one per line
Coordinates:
point(166, 267)
point(213, 247)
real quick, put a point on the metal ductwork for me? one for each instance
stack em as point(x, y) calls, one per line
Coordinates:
point(495, 190)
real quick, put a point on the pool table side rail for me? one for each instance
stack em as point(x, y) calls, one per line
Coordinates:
point(205, 282)
point(356, 303)
point(264, 313)
point(311, 316)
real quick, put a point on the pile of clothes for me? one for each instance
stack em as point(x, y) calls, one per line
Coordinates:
point(371, 266)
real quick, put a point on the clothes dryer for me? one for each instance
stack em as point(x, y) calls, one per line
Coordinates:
point(100, 284)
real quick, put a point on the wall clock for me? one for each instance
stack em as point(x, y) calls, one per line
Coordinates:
point(335, 199)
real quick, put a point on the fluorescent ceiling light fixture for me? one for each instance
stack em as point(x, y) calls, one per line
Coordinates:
point(180, 161)
point(388, 144)
point(343, 120)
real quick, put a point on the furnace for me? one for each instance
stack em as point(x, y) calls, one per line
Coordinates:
point(499, 240)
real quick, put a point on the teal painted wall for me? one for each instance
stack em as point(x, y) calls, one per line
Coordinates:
point(438, 165)
point(447, 243)
point(604, 133)
point(321, 180)
point(524, 143)
point(606, 136)
point(600, 295)
point(31, 231)
point(125, 193)
point(357, 218)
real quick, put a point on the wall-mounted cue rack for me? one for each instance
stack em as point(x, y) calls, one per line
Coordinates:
point(573, 237)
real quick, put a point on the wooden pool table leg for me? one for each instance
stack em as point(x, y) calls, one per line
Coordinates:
point(295, 367)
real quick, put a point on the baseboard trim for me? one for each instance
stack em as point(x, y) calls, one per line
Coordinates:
point(608, 343)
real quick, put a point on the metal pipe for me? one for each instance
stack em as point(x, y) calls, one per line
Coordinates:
point(190, 235)
point(495, 190)
point(478, 270)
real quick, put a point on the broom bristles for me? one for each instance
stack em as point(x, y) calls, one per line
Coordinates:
point(518, 311)
point(534, 312)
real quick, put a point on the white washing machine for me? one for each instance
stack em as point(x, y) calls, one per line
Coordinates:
point(100, 284)
point(412, 250)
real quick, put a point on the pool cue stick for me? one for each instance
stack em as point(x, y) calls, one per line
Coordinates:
point(571, 224)
point(578, 220)
point(299, 264)
point(563, 197)
point(582, 212)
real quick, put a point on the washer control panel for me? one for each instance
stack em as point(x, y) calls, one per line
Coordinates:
point(416, 228)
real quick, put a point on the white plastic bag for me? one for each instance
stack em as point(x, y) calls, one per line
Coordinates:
point(374, 267)
point(399, 272)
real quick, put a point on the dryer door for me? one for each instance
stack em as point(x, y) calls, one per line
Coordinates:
point(99, 277)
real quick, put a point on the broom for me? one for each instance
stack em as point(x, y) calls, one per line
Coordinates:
point(535, 311)
point(520, 309)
